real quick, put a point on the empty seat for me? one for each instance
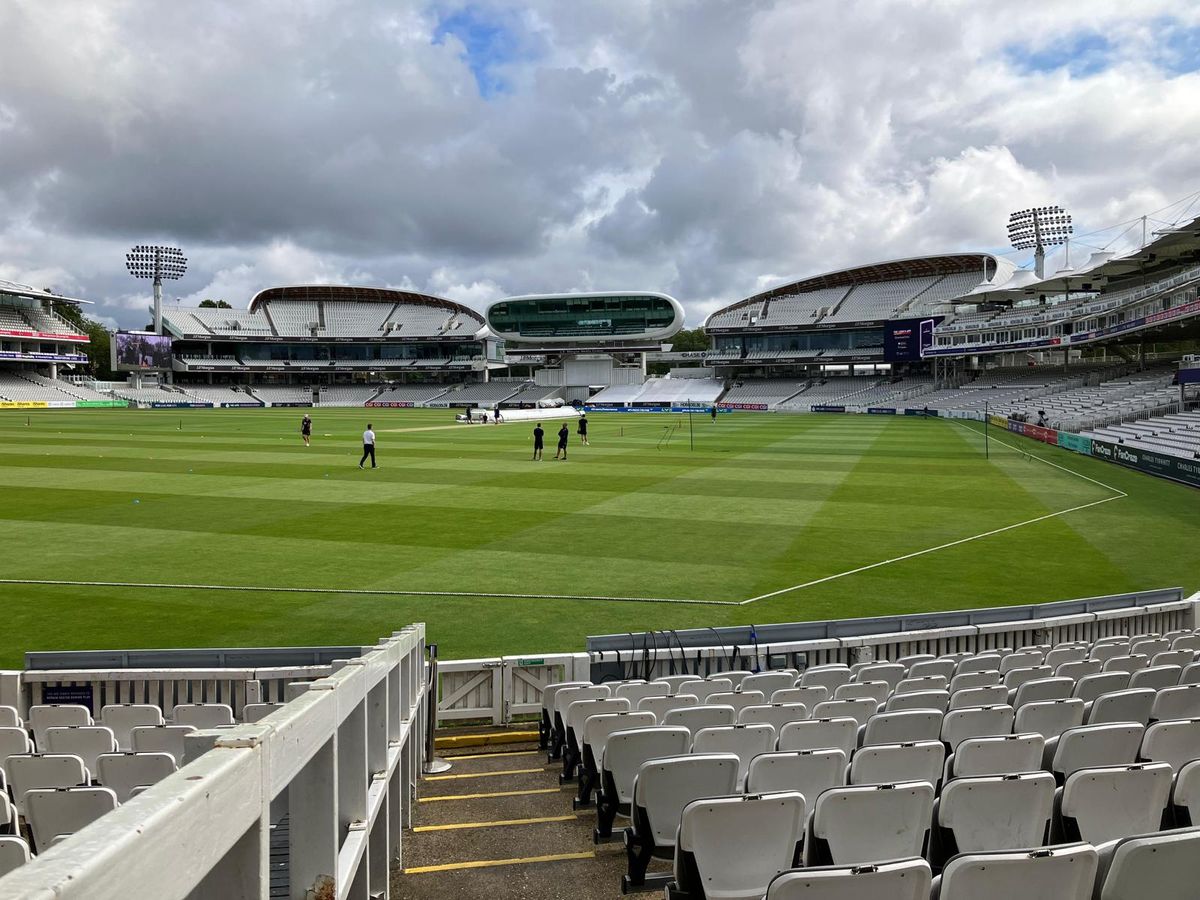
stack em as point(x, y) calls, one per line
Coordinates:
point(546, 727)
point(13, 740)
point(52, 812)
point(1000, 754)
point(38, 771)
point(701, 689)
point(942, 667)
point(672, 681)
point(858, 690)
point(810, 696)
point(1079, 668)
point(1049, 718)
point(890, 763)
point(860, 710)
point(10, 718)
point(767, 682)
point(122, 772)
point(577, 714)
point(161, 739)
point(995, 694)
point(660, 706)
point(1091, 746)
point(1191, 674)
point(738, 700)
point(808, 771)
point(203, 715)
point(696, 717)
point(913, 658)
point(820, 734)
point(902, 727)
point(828, 677)
point(964, 680)
point(936, 700)
point(122, 718)
point(980, 662)
point(661, 790)
point(907, 879)
point(1014, 678)
point(1180, 658)
point(14, 853)
point(635, 692)
point(1160, 866)
point(892, 673)
point(1185, 795)
point(744, 741)
point(1065, 654)
point(776, 714)
point(1187, 642)
point(254, 712)
point(735, 677)
point(1103, 804)
point(1104, 652)
point(731, 847)
point(563, 698)
point(1021, 659)
point(923, 683)
point(1089, 687)
point(50, 715)
point(977, 721)
point(624, 753)
point(1176, 741)
point(1040, 689)
point(1155, 677)
point(869, 823)
point(994, 812)
point(1148, 646)
point(1051, 873)
point(1129, 663)
point(596, 731)
point(1121, 706)
point(1182, 702)
point(85, 741)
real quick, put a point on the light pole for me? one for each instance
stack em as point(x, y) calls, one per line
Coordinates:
point(1038, 228)
point(157, 262)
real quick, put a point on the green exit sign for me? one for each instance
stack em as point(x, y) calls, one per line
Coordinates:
point(531, 662)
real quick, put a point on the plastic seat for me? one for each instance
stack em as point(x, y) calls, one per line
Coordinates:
point(1191, 674)
point(1156, 677)
point(122, 718)
point(1181, 702)
point(1176, 741)
point(1161, 866)
point(1040, 689)
point(735, 677)
point(563, 698)
point(1131, 663)
point(890, 763)
point(1185, 795)
point(660, 706)
point(935, 700)
point(161, 739)
point(828, 677)
point(1051, 873)
point(1187, 642)
point(912, 685)
point(1104, 652)
point(576, 715)
point(892, 673)
point(546, 728)
point(859, 690)
point(776, 714)
point(738, 700)
point(635, 692)
point(41, 771)
point(1021, 659)
point(1121, 706)
point(14, 853)
point(730, 848)
point(672, 681)
point(1104, 804)
point(203, 715)
point(907, 879)
point(1089, 687)
point(992, 695)
point(980, 662)
point(979, 721)
point(52, 715)
point(1092, 746)
point(943, 667)
point(661, 790)
point(624, 753)
point(702, 689)
point(810, 696)
point(743, 741)
point(1049, 718)
point(1078, 669)
point(1065, 654)
point(53, 812)
point(1015, 678)
point(85, 741)
point(860, 710)
point(902, 727)
point(122, 772)
point(869, 823)
point(820, 734)
point(808, 771)
point(1180, 658)
point(767, 682)
point(1000, 754)
point(256, 712)
point(993, 812)
point(964, 680)
point(913, 658)
point(13, 740)
point(696, 717)
point(10, 718)
point(596, 731)
point(1148, 646)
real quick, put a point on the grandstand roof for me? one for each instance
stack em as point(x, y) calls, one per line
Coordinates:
point(14, 289)
point(352, 293)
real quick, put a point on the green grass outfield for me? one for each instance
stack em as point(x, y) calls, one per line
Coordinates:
point(762, 503)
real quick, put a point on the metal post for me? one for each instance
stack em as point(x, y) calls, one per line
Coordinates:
point(157, 305)
point(433, 765)
point(987, 423)
point(691, 436)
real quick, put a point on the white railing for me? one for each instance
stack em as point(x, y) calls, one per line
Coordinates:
point(339, 764)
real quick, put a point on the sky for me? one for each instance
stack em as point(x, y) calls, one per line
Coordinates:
point(704, 148)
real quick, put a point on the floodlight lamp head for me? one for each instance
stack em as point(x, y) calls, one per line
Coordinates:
point(156, 261)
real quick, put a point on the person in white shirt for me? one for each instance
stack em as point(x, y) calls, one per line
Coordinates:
point(368, 447)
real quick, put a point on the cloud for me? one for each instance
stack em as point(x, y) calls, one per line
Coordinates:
point(477, 149)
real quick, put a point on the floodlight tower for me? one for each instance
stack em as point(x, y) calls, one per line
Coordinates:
point(1037, 229)
point(157, 262)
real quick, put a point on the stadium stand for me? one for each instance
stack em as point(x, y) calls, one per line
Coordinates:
point(218, 394)
point(412, 393)
point(26, 385)
point(486, 395)
point(272, 394)
point(1177, 434)
point(768, 391)
point(661, 392)
point(347, 394)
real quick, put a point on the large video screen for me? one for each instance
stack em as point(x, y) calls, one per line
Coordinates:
point(135, 351)
point(905, 340)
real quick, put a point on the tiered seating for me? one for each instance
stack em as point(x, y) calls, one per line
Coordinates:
point(11, 320)
point(296, 318)
point(219, 393)
point(282, 393)
point(347, 394)
point(878, 300)
point(416, 320)
point(29, 387)
point(770, 391)
point(47, 322)
point(800, 309)
point(414, 393)
point(151, 395)
point(534, 393)
point(218, 321)
point(836, 390)
point(1177, 434)
point(485, 394)
point(344, 318)
point(853, 769)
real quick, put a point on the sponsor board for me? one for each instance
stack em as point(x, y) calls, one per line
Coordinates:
point(241, 406)
point(101, 404)
point(155, 404)
point(998, 421)
point(9, 332)
point(391, 404)
point(880, 411)
point(820, 407)
point(1016, 427)
point(1038, 433)
point(1075, 442)
point(293, 403)
point(632, 409)
point(760, 407)
point(1174, 467)
point(24, 404)
point(910, 411)
point(76, 695)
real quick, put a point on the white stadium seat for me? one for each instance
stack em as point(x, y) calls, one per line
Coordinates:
point(1181, 702)
point(63, 811)
point(161, 739)
point(776, 714)
point(733, 676)
point(892, 673)
point(1065, 654)
point(660, 706)
point(50, 715)
point(672, 681)
point(624, 754)
point(122, 772)
point(697, 717)
point(1089, 687)
point(1021, 659)
point(578, 712)
point(1185, 796)
point(1180, 658)
point(596, 731)
point(1049, 718)
point(912, 685)
point(902, 727)
point(122, 718)
point(990, 695)
point(743, 741)
point(1104, 804)
point(1067, 872)
point(993, 812)
point(979, 721)
point(859, 690)
point(860, 710)
point(635, 692)
point(38, 771)
point(13, 740)
point(943, 667)
point(202, 715)
point(702, 689)
point(767, 682)
point(85, 741)
point(1160, 866)
point(810, 696)
point(731, 847)
point(1040, 689)
point(546, 728)
point(1131, 663)
point(828, 677)
point(974, 679)
point(1078, 668)
point(1090, 746)
point(14, 853)
point(904, 880)
point(999, 754)
point(1156, 677)
point(1176, 741)
point(980, 662)
point(10, 718)
point(890, 763)
point(936, 700)
point(820, 734)
point(738, 700)
point(1121, 706)
point(808, 771)
point(869, 823)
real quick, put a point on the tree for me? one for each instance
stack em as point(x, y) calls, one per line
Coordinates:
point(97, 350)
point(689, 340)
point(215, 304)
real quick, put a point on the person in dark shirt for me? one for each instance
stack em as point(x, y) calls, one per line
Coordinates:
point(538, 438)
point(714, 413)
point(563, 434)
point(583, 430)
point(306, 430)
